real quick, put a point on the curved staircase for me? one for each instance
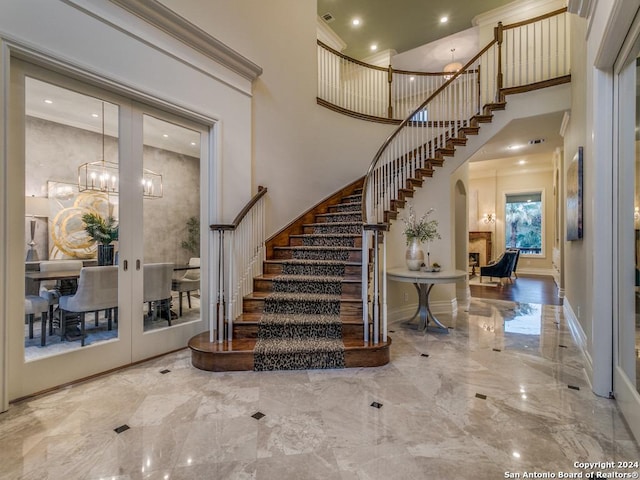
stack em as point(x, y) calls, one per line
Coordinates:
point(305, 310)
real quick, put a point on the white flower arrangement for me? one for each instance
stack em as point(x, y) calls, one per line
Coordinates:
point(422, 228)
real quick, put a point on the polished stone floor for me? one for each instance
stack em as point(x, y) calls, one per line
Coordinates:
point(504, 391)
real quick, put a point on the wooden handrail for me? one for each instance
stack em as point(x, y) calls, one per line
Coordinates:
point(560, 11)
point(232, 226)
point(408, 119)
point(385, 69)
point(358, 62)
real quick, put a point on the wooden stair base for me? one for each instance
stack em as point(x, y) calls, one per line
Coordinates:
point(238, 356)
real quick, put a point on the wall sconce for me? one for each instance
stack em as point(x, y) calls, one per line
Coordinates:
point(489, 218)
point(636, 214)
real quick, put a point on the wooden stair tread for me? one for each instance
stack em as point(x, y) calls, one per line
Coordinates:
point(271, 276)
point(237, 355)
point(252, 319)
point(263, 295)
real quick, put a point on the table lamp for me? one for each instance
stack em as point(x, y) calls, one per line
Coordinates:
point(35, 207)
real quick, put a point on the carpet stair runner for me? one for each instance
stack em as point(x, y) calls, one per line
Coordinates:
point(300, 327)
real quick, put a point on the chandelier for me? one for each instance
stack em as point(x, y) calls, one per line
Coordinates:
point(451, 68)
point(102, 176)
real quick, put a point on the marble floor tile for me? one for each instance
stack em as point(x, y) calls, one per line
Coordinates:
point(490, 397)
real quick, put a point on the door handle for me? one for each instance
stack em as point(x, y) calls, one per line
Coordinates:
point(125, 265)
point(138, 264)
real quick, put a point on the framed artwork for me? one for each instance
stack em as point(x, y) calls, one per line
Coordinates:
point(67, 237)
point(574, 197)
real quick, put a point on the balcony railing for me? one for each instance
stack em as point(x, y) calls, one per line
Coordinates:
point(531, 51)
point(531, 54)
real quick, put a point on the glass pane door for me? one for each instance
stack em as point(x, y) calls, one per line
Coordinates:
point(71, 220)
point(73, 311)
point(169, 173)
point(171, 223)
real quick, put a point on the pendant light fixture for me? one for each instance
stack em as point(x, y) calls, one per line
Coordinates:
point(102, 176)
point(453, 67)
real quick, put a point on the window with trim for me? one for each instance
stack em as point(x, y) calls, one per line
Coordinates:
point(523, 222)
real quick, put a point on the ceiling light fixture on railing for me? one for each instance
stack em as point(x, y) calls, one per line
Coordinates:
point(453, 67)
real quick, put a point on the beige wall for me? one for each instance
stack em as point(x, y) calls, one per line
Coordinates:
point(577, 288)
point(490, 188)
point(301, 152)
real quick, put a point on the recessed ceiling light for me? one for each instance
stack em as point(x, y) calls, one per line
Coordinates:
point(193, 144)
point(47, 101)
point(95, 115)
point(374, 47)
point(165, 135)
point(522, 162)
point(444, 19)
point(514, 147)
point(516, 454)
point(355, 22)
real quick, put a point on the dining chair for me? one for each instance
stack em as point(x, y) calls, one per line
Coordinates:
point(97, 290)
point(157, 289)
point(188, 283)
point(36, 305)
point(52, 290)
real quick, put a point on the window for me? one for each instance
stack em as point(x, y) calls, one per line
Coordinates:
point(523, 222)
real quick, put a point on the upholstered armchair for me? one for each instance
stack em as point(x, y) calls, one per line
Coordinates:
point(97, 290)
point(503, 267)
point(53, 290)
point(157, 289)
point(515, 263)
point(188, 283)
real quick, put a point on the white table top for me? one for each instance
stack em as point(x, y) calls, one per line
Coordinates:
point(403, 274)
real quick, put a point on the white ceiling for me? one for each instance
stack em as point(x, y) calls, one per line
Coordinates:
point(82, 111)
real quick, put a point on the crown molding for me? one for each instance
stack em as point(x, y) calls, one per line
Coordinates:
point(166, 20)
point(381, 59)
point(492, 17)
point(327, 36)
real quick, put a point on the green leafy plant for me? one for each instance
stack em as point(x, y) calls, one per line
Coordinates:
point(192, 243)
point(101, 230)
point(420, 228)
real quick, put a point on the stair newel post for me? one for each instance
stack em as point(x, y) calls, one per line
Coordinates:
point(365, 284)
point(220, 302)
point(390, 82)
point(498, 31)
point(384, 287)
point(232, 249)
point(376, 290)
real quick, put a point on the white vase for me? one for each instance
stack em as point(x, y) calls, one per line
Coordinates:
point(414, 255)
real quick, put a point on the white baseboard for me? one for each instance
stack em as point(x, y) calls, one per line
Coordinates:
point(536, 271)
point(580, 338)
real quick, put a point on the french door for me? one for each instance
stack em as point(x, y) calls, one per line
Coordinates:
point(92, 167)
point(626, 345)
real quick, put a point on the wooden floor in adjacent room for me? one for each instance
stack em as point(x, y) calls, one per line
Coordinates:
point(524, 289)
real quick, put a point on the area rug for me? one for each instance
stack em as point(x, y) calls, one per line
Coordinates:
point(300, 327)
